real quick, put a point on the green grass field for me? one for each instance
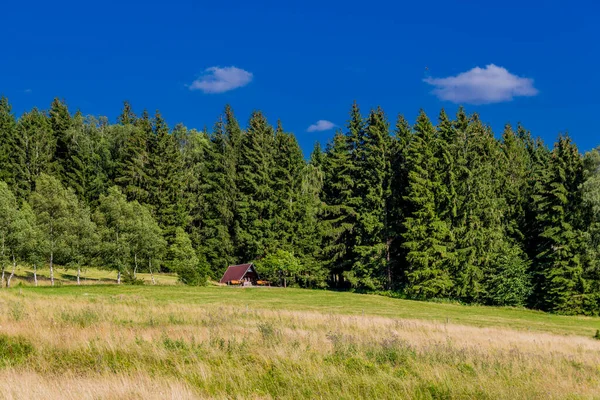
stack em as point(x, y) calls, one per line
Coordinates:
point(172, 341)
point(343, 303)
point(89, 276)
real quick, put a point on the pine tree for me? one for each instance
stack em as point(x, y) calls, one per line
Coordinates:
point(131, 172)
point(339, 216)
point(426, 236)
point(371, 186)
point(8, 142)
point(215, 227)
point(61, 122)
point(560, 282)
point(515, 165)
point(33, 151)
point(165, 178)
point(308, 239)
point(255, 207)
point(287, 187)
point(87, 169)
point(591, 204)
point(396, 208)
point(127, 116)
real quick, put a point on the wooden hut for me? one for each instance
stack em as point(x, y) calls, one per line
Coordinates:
point(243, 274)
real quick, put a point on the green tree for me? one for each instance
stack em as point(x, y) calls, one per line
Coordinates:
point(426, 235)
point(281, 266)
point(560, 284)
point(147, 242)
point(165, 171)
point(56, 209)
point(372, 186)
point(591, 204)
point(8, 142)
point(182, 259)
point(13, 231)
point(338, 216)
point(33, 152)
point(60, 122)
point(287, 188)
point(115, 219)
point(255, 208)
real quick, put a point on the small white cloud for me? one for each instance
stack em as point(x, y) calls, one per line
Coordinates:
point(27, 91)
point(491, 84)
point(220, 80)
point(321, 125)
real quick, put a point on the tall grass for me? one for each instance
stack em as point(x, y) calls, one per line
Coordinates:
point(129, 346)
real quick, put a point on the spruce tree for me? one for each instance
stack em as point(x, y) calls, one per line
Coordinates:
point(131, 171)
point(339, 216)
point(560, 281)
point(127, 115)
point(287, 187)
point(396, 208)
point(33, 152)
point(426, 235)
point(371, 185)
point(255, 208)
point(8, 142)
point(165, 178)
point(61, 122)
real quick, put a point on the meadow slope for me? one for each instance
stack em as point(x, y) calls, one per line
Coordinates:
point(125, 342)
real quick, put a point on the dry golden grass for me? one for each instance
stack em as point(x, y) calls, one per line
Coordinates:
point(128, 347)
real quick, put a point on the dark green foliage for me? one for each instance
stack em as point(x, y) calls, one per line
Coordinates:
point(560, 281)
point(33, 151)
point(8, 142)
point(426, 236)
point(255, 206)
point(428, 211)
point(60, 122)
point(339, 216)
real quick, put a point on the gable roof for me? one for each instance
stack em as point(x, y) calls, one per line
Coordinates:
point(235, 272)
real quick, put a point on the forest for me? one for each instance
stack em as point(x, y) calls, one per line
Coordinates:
point(442, 209)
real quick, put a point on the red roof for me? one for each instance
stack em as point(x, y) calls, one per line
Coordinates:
point(235, 273)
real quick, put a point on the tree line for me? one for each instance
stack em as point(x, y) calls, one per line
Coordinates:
point(430, 210)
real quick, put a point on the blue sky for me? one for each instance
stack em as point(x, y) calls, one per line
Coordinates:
point(307, 61)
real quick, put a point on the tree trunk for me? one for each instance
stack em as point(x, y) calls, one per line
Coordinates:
point(135, 266)
point(119, 277)
point(284, 282)
point(151, 273)
point(78, 273)
point(51, 268)
point(12, 272)
point(2, 280)
point(35, 274)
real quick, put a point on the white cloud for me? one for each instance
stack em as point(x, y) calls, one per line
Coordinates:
point(491, 84)
point(220, 80)
point(321, 125)
point(27, 91)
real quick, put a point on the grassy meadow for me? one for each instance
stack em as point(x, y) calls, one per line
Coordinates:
point(176, 342)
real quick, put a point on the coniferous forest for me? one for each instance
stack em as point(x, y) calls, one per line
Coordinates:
point(442, 209)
